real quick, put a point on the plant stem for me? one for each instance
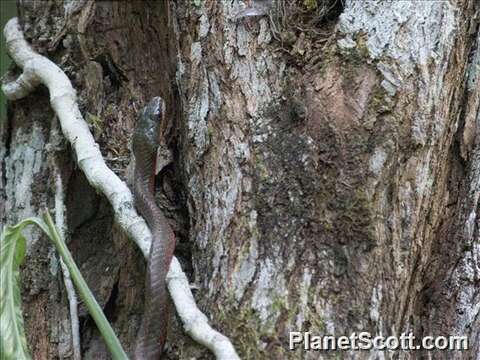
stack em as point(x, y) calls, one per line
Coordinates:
point(94, 309)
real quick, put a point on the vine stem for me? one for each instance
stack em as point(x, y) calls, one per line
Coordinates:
point(60, 220)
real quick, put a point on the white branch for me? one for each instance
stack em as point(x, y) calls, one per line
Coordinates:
point(71, 295)
point(38, 69)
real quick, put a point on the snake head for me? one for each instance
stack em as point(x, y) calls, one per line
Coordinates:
point(148, 123)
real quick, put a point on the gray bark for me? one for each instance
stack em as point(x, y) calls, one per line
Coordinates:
point(326, 173)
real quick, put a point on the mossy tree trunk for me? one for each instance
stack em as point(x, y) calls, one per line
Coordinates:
point(326, 171)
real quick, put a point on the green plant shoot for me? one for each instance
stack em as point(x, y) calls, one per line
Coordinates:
point(13, 344)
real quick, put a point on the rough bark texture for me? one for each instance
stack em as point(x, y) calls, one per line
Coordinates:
point(325, 179)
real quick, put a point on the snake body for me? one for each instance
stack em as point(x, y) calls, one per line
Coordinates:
point(152, 334)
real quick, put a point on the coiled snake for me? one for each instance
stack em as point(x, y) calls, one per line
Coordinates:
point(152, 334)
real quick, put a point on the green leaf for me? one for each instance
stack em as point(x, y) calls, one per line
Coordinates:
point(13, 344)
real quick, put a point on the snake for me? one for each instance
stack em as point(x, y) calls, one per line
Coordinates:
point(151, 337)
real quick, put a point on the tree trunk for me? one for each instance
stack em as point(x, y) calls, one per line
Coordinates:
point(326, 172)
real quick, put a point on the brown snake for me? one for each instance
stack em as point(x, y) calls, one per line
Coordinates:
point(152, 335)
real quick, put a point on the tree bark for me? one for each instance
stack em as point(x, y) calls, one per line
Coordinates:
point(326, 171)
